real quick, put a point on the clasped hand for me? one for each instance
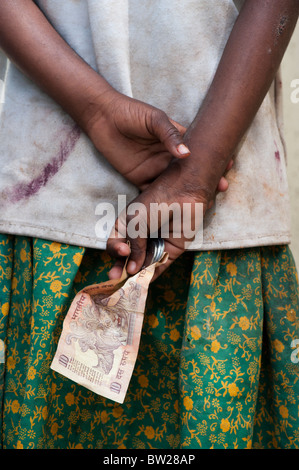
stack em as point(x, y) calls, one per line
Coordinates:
point(148, 149)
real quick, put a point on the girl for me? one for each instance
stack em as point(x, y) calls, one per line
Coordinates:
point(150, 100)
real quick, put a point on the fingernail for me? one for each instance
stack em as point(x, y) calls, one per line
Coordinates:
point(182, 149)
point(112, 274)
point(123, 250)
point(131, 268)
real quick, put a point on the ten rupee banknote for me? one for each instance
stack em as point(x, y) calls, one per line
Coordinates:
point(101, 332)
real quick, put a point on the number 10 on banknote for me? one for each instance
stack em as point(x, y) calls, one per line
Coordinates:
point(101, 332)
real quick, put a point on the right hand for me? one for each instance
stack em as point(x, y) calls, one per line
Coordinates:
point(138, 139)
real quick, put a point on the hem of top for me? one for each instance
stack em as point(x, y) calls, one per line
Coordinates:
point(55, 235)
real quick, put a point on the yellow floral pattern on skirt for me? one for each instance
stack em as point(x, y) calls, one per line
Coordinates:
point(217, 365)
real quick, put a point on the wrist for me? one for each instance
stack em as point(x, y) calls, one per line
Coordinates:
point(197, 177)
point(90, 104)
point(181, 183)
point(209, 158)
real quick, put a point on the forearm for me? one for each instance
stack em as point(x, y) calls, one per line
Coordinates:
point(39, 51)
point(136, 138)
point(248, 66)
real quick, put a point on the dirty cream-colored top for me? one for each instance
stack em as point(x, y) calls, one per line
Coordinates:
point(164, 53)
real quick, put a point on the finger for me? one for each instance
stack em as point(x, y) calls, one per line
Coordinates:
point(222, 185)
point(230, 165)
point(118, 248)
point(137, 255)
point(180, 128)
point(117, 269)
point(131, 227)
point(170, 133)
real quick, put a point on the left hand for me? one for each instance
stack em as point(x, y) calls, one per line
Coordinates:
point(176, 184)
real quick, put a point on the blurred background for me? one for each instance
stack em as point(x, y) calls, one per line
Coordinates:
point(290, 72)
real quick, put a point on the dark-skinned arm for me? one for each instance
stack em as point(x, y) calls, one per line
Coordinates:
point(131, 135)
point(245, 73)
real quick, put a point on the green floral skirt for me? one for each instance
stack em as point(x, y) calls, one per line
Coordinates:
point(217, 365)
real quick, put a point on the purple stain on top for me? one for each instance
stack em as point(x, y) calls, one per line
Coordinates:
point(25, 190)
point(277, 156)
point(278, 162)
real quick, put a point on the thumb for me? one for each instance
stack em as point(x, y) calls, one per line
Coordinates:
point(171, 134)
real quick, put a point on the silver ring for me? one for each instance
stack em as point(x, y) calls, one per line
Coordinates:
point(154, 251)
